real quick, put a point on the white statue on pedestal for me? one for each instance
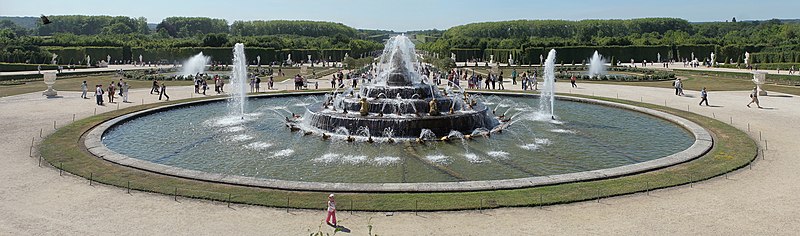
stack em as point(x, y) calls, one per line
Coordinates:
point(746, 58)
point(50, 80)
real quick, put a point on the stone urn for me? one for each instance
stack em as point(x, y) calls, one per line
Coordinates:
point(50, 80)
point(759, 78)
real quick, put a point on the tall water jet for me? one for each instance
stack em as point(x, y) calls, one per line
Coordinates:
point(597, 66)
point(547, 98)
point(195, 64)
point(398, 60)
point(239, 82)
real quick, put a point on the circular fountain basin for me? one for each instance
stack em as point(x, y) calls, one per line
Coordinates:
point(589, 140)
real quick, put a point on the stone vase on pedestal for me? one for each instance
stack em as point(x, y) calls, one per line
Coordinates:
point(50, 80)
point(759, 78)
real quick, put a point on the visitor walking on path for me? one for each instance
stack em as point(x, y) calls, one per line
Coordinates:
point(331, 211)
point(754, 98)
point(572, 80)
point(84, 89)
point(163, 92)
point(678, 87)
point(704, 96)
point(98, 94)
point(155, 87)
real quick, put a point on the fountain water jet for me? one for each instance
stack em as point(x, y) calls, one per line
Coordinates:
point(195, 65)
point(597, 66)
point(239, 82)
point(547, 99)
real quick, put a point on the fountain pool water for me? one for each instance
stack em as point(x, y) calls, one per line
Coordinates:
point(585, 137)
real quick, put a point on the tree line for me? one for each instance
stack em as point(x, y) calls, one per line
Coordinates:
point(731, 38)
point(20, 44)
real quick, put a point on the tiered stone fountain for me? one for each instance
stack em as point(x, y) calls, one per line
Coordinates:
point(399, 104)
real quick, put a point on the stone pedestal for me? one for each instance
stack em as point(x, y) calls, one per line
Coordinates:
point(759, 78)
point(50, 80)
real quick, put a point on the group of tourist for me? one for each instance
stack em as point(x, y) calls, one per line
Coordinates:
point(119, 88)
point(492, 81)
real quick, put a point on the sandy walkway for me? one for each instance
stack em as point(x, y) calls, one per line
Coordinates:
point(763, 200)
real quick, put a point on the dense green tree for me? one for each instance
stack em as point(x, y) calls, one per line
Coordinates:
point(192, 26)
point(286, 27)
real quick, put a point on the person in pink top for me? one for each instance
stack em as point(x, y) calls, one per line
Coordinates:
point(331, 211)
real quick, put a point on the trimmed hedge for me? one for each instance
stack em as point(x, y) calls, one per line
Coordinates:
point(580, 54)
point(73, 55)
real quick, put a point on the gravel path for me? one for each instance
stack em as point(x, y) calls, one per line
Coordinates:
point(764, 200)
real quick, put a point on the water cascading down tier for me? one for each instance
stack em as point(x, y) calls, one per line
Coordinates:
point(399, 103)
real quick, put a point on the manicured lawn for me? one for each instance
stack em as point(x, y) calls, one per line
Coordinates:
point(732, 149)
point(74, 83)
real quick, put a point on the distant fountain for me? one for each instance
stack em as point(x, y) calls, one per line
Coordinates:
point(195, 64)
point(547, 99)
point(239, 82)
point(597, 66)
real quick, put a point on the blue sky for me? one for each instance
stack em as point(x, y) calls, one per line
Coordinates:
point(410, 14)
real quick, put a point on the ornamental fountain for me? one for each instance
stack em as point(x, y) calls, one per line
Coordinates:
point(401, 101)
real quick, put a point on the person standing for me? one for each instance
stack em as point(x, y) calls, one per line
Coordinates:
point(258, 85)
point(754, 98)
point(535, 82)
point(111, 90)
point(677, 84)
point(205, 87)
point(331, 211)
point(163, 92)
point(270, 83)
point(514, 76)
point(119, 86)
point(84, 89)
point(494, 81)
point(524, 81)
point(124, 91)
point(252, 85)
point(500, 81)
point(704, 96)
point(572, 80)
point(98, 94)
